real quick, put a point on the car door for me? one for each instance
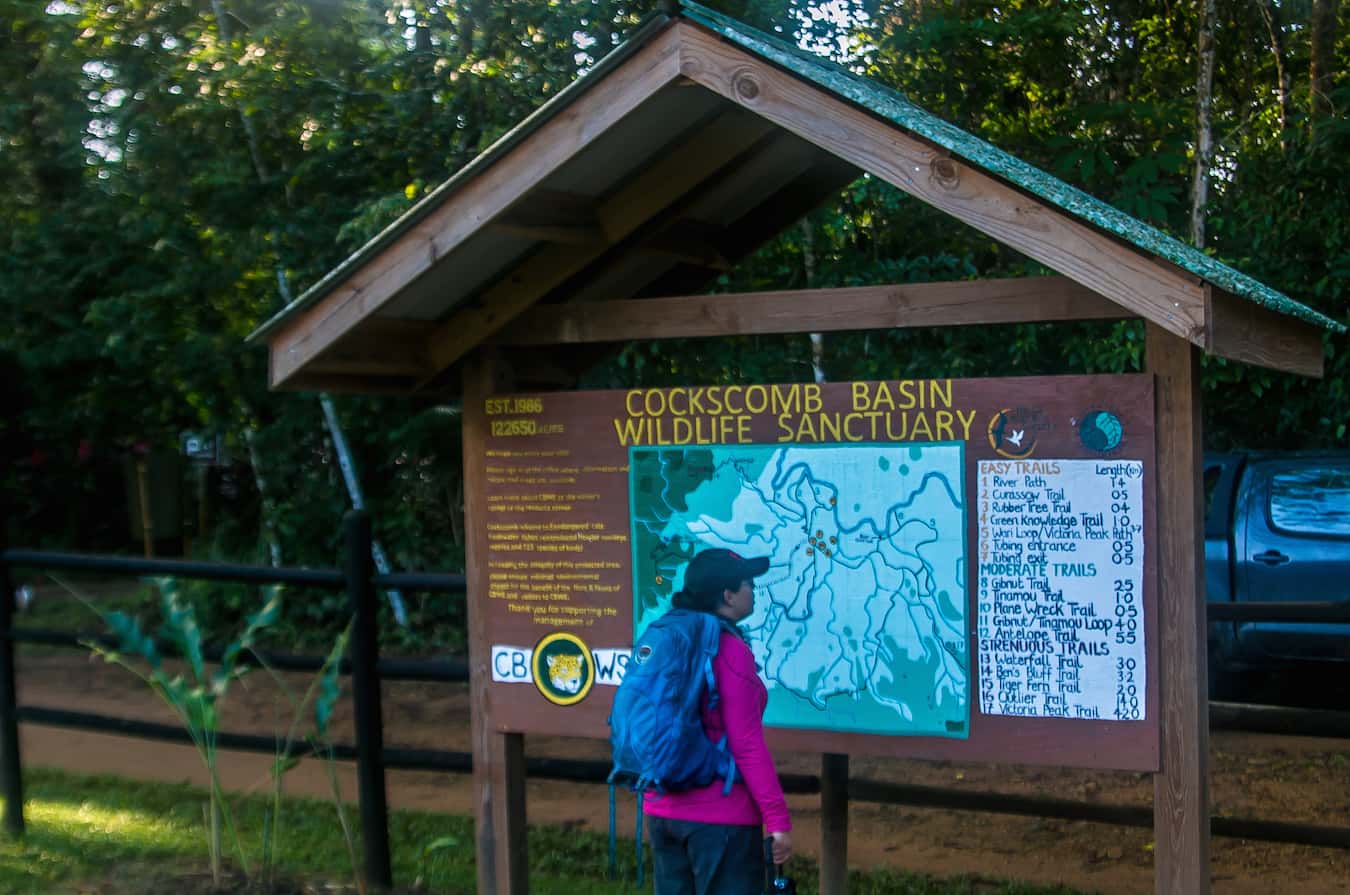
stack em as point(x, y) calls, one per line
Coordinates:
point(1296, 548)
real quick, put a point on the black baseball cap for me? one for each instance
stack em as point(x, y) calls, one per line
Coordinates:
point(717, 569)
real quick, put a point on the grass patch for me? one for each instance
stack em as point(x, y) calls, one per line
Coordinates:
point(87, 829)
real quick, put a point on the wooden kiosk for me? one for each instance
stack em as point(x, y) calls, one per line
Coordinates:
point(601, 217)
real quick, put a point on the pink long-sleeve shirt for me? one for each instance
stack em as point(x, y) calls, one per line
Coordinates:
point(756, 797)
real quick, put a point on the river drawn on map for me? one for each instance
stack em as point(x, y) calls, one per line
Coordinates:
point(860, 624)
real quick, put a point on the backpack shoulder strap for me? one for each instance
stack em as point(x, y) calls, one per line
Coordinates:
point(712, 643)
point(709, 642)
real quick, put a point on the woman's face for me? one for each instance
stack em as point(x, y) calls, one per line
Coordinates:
point(738, 604)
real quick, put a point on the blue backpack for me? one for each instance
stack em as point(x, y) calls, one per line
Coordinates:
point(656, 731)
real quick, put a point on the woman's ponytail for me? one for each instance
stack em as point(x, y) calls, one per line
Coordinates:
point(697, 602)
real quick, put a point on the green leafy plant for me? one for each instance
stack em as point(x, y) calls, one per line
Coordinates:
point(329, 691)
point(194, 696)
point(323, 693)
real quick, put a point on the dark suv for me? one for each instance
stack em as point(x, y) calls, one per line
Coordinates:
point(1277, 528)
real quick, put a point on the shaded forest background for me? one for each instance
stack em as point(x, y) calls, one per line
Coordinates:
point(176, 170)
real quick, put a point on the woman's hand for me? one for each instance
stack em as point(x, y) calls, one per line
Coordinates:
point(782, 846)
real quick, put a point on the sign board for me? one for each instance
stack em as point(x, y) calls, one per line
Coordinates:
point(959, 568)
point(1060, 589)
point(201, 447)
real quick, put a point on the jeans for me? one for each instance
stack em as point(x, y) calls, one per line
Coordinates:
point(692, 858)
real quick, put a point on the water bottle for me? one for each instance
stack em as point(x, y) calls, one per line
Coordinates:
point(776, 883)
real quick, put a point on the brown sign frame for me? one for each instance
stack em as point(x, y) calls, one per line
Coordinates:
point(551, 462)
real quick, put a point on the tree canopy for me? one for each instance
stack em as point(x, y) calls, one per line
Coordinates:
point(177, 169)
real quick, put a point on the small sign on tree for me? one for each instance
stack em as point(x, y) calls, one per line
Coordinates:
point(201, 447)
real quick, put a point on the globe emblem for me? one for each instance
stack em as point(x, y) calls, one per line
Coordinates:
point(1101, 431)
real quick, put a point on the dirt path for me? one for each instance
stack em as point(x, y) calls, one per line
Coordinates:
point(1259, 776)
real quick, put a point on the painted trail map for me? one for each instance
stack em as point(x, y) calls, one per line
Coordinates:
point(860, 623)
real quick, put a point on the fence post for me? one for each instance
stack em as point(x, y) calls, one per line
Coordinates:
point(11, 770)
point(365, 653)
point(833, 824)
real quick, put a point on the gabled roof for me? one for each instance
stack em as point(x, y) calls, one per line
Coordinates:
point(888, 103)
point(680, 153)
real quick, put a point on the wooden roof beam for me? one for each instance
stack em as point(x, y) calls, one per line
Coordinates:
point(963, 303)
point(1152, 289)
point(689, 242)
point(711, 245)
point(384, 364)
point(381, 348)
point(1240, 330)
point(554, 216)
point(664, 183)
point(348, 384)
point(789, 203)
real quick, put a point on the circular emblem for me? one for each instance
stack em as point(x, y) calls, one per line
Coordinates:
point(563, 668)
point(1100, 431)
point(1007, 438)
point(643, 654)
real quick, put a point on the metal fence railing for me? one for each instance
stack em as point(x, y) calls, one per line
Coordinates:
point(356, 577)
point(372, 757)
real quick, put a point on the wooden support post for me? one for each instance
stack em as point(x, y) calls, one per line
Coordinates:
point(1181, 787)
point(498, 758)
point(833, 824)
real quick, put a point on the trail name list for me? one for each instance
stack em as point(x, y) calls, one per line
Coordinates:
point(1061, 580)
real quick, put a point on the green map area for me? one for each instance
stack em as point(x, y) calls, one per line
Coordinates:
point(860, 623)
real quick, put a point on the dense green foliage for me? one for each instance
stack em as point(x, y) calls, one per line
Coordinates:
point(176, 170)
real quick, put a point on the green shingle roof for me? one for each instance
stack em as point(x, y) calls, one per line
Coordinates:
point(894, 107)
point(877, 99)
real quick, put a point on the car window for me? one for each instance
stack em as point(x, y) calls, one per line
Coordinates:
point(1312, 500)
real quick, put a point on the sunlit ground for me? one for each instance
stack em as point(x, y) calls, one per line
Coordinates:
point(86, 829)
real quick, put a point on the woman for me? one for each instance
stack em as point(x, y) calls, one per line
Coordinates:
point(706, 841)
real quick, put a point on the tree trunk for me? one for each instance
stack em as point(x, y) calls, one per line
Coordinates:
point(1204, 135)
point(809, 270)
point(455, 502)
point(325, 402)
point(1271, 16)
point(1322, 60)
point(269, 510)
point(250, 133)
